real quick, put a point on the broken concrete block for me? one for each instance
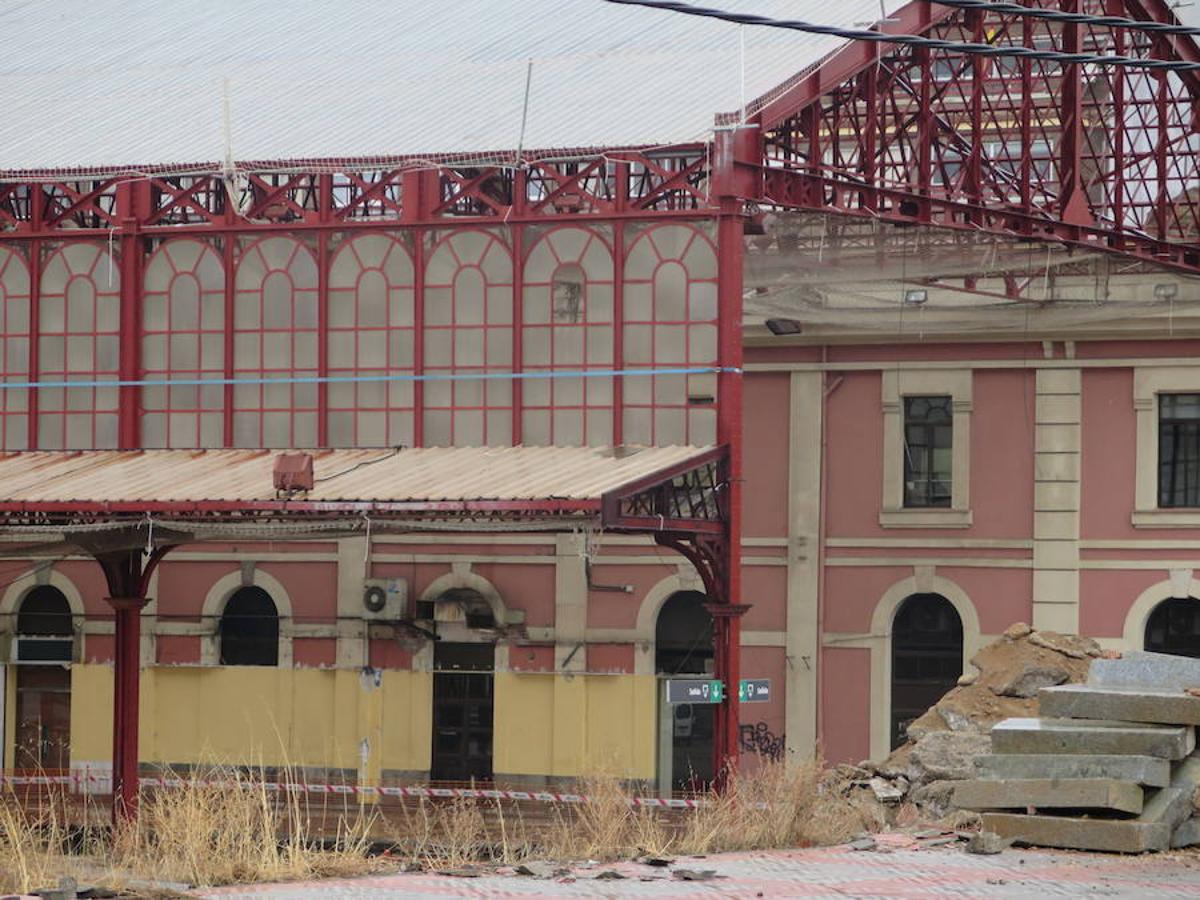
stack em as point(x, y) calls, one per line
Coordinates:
point(1172, 805)
point(1017, 630)
point(1030, 680)
point(1092, 736)
point(1107, 835)
point(1047, 641)
point(1050, 793)
point(1147, 671)
point(946, 755)
point(1147, 770)
point(987, 843)
point(1187, 834)
point(1086, 701)
point(885, 791)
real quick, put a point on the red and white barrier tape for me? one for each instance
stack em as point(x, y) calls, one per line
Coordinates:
point(347, 789)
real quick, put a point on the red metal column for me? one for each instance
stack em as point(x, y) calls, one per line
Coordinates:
point(126, 686)
point(129, 206)
point(736, 157)
point(324, 206)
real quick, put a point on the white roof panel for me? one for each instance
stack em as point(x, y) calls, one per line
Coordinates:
point(115, 85)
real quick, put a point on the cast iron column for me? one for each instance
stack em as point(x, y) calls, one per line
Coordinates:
point(126, 684)
point(736, 175)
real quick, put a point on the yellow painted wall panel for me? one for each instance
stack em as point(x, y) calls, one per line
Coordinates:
point(522, 743)
point(620, 725)
point(407, 721)
point(91, 713)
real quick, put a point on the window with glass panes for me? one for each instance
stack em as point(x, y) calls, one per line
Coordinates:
point(78, 319)
point(275, 340)
point(567, 326)
point(468, 326)
point(928, 451)
point(371, 333)
point(1178, 450)
point(14, 349)
point(670, 322)
point(183, 339)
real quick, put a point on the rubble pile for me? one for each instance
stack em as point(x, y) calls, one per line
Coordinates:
point(1107, 765)
point(943, 743)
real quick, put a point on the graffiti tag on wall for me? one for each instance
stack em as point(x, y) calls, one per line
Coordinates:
point(758, 738)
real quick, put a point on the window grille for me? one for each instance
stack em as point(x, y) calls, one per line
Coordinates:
point(183, 338)
point(468, 331)
point(567, 325)
point(670, 320)
point(79, 315)
point(14, 349)
point(275, 337)
point(371, 333)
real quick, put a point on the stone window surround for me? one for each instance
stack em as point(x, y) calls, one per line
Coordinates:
point(896, 385)
point(1148, 383)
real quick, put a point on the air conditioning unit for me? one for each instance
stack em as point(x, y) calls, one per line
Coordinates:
point(384, 598)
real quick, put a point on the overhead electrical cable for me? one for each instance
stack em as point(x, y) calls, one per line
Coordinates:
point(912, 40)
point(1055, 15)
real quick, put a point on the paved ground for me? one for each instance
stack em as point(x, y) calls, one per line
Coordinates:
point(900, 867)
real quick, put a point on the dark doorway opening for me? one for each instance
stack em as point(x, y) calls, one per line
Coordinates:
point(683, 643)
point(1174, 627)
point(927, 651)
point(45, 642)
point(463, 682)
point(250, 629)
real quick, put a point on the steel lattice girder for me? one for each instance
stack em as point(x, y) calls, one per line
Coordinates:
point(1104, 157)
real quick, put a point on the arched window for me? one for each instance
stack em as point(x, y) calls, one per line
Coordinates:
point(371, 333)
point(44, 626)
point(683, 636)
point(183, 338)
point(468, 331)
point(275, 337)
point(249, 630)
point(79, 316)
point(670, 316)
point(14, 349)
point(567, 325)
point(927, 651)
point(1174, 627)
point(44, 612)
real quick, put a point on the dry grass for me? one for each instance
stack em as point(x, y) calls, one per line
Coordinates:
point(196, 834)
point(199, 834)
point(777, 805)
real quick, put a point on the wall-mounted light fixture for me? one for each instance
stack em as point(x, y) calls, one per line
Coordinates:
point(784, 326)
point(1167, 291)
point(916, 296)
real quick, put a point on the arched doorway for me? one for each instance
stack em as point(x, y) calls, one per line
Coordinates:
point(683, 641)
point(927, 655)
point(44, 648)
point(1174, 627)
point(464, 665)
point(249, 629)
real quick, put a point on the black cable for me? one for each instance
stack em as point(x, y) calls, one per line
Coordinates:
point(912, 40)
point(365, 462)
point(1053, 15)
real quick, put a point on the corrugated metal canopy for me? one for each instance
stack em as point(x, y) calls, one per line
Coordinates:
point(441, 478)
point(97, 83)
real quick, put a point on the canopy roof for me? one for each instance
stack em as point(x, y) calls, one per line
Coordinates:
point(114, 86)
point(481, 481)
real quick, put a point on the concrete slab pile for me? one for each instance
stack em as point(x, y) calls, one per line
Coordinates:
point(1113, 761)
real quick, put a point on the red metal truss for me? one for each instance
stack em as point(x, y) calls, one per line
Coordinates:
point(612, 184)
point(1084, 154)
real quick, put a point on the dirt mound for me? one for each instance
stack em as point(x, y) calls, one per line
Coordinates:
point(1007, 676)
point(942, 744)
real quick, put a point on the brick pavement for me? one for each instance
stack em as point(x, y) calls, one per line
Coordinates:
point(900, 867)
